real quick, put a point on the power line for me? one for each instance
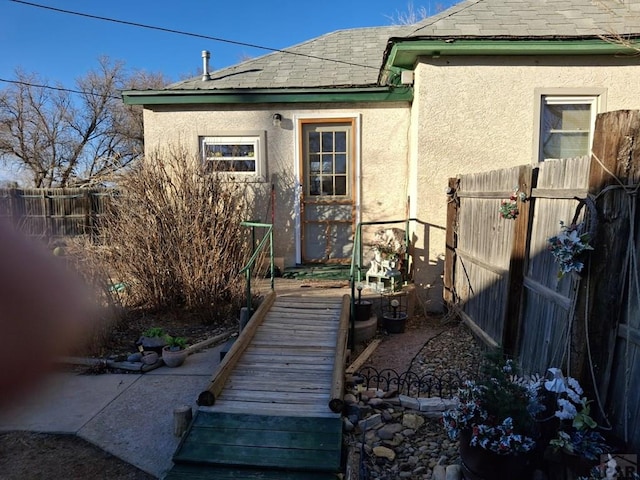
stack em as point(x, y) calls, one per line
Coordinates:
point(59, 89)
point(188, 34)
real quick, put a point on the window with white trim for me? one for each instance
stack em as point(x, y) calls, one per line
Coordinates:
point(241, 155)
point(566, 125)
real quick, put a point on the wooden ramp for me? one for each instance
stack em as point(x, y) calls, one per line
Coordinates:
point(271, 418)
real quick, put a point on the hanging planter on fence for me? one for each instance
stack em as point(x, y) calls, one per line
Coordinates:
point(570, 246)
point(509, 208)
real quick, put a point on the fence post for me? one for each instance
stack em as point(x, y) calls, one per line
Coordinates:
point(451, 242)
point(518, 261)
point(615, 160)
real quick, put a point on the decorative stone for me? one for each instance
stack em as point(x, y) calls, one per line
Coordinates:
point(370, 422)
point(412, 421)
point(389, 430)
point(391, 393)
point(347, 425)
point(384, 452)
point(454, 472)
point(134, 357)
point(409, 402)
point(432, 407)
point(350, 399)
point(439, 472)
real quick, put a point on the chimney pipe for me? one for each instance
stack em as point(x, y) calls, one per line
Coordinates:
point(205, 65)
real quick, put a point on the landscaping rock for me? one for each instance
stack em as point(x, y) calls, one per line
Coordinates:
point(384, 452)
point(412, 421)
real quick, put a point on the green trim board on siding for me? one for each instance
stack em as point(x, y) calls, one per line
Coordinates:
point(254, 96)
point(403, 53)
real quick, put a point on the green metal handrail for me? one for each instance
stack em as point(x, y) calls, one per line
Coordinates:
point(248, 268)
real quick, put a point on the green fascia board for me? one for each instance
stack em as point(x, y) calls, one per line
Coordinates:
point(255, 96)
point(404, 53)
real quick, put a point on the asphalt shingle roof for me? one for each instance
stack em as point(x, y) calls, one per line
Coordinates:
point(533, 18)
point(354, 57)
point(342, 58)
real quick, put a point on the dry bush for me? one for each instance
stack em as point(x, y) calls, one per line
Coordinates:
point(173, 235)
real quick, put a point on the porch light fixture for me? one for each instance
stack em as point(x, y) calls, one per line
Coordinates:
point(276, 119)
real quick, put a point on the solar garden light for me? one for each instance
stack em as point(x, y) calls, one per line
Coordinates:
point(394, 305)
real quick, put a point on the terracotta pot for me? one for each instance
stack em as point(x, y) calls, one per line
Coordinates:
point(481, 464)
point(173, 358)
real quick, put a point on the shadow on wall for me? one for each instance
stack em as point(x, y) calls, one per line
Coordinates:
point(427, 273)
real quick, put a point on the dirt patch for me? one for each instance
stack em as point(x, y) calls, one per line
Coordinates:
point(397, 351)
point(122, 336)
point(36, 456)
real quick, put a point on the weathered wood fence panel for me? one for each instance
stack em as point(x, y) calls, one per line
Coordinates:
point(588, 324)
point(610, 294)
point(483, 250)
point(56, 212)
point(547, 302)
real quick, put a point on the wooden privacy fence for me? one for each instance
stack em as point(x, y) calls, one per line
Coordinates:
point(503, 280)
point(54, 212)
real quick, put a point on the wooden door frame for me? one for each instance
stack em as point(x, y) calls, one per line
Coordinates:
point(299, 121)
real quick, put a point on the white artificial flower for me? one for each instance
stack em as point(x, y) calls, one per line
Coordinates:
point(557, 383)
point(567, 410)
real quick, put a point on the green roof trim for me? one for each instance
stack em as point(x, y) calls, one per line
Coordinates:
point(403, 53)
point(254, 96)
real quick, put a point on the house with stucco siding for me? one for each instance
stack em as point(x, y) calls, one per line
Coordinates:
point(368, 124)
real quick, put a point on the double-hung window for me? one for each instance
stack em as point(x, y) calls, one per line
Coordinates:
point(566, 125)
point(242, 155)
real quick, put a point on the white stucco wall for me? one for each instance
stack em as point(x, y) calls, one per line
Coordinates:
point(381, 150)
point(474, 114)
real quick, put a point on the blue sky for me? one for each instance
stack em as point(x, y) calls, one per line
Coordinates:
point(62, 47)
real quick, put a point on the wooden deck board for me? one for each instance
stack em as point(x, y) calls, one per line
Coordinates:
point(271, 419)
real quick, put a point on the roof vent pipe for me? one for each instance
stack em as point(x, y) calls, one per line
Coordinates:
point(205, 65)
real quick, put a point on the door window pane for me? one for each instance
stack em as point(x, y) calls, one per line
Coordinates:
point(327, 141)
point(341, 141)
point(314, 142)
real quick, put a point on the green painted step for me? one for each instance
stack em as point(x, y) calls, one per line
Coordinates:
point(209, 472)
point(309, 444)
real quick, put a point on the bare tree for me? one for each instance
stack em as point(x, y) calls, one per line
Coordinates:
point(413, 15)
point(62, 138)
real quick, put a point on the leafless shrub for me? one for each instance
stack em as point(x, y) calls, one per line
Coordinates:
point(174, 237)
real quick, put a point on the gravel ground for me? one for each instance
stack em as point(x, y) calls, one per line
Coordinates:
point(413, 449)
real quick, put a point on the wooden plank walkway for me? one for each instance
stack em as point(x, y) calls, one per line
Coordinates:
point(272, 420)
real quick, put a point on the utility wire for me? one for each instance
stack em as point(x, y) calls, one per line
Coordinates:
point(188, 34)
point(59, 89)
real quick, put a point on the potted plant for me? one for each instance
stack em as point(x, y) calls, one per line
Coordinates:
point(569, 247)
point(153, 339)
point(174, 353)
point(573, 443)
point(507, 424)
point(493, 424)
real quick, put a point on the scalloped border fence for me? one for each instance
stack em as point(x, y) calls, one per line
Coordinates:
point(410, 383)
